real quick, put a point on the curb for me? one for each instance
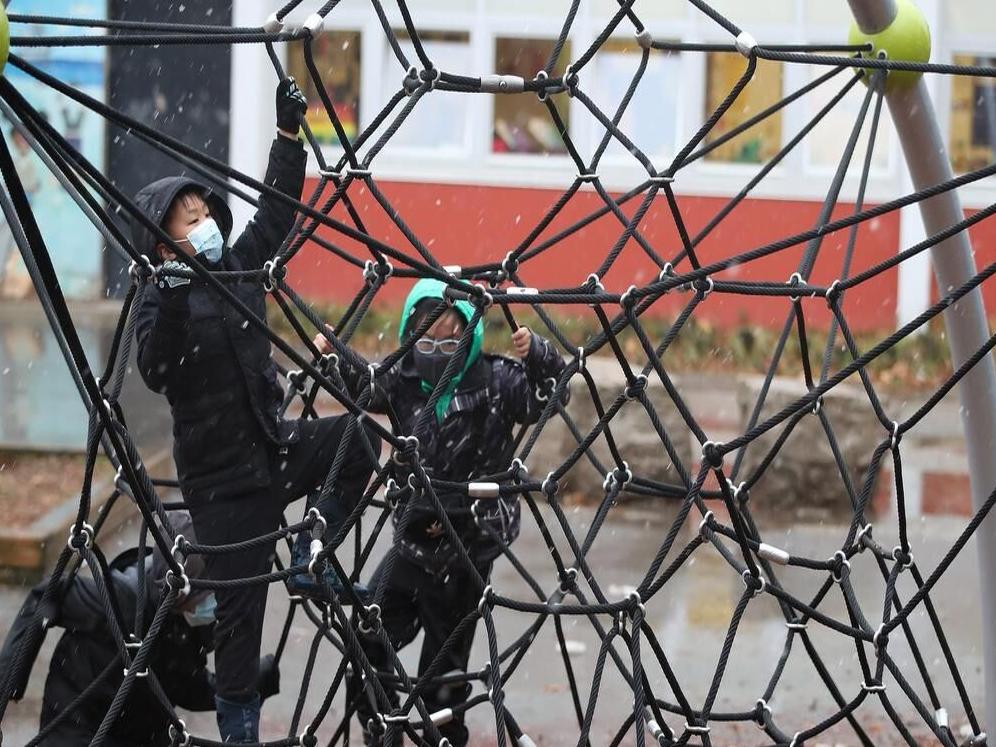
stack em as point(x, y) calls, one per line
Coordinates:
point(27, 553)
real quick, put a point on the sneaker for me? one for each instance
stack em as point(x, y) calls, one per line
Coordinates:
point(321, 587)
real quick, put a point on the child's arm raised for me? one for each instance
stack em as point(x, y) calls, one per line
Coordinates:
point(523, 384)
point(285, 171)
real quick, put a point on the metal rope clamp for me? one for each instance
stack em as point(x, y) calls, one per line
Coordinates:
point(410, 82)
point(880, 640)
point(896, 436)
point(178, 552)
point(637, 604)
point(296, 380)
point(570, 81)
point(833, 292)
point(762, 707)
point(542, 94)
point(143, 271)
point(371, 620)
point(613, 475)
point(75, 533)
point(482, 299)
point(639, 385)
point(549, 486)
point(502, 84)
point(626, 299)
point(274, 274)
point(905, 559)
point(181, 586)
point(795, 279)
point(839, 563)
point(545, 388)
point(430, 80)
point(404, 453)
point(329, 362)
point(510, 264)
point(706, 522)
point(372, 371)
point(179, 737)
point(749, 580)
point(518, 469)
point(485, 599)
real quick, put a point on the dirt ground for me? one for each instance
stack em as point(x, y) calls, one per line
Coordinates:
point(32, 483)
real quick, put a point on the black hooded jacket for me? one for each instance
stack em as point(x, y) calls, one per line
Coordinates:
point(87, 647)
point(474, 439)
point(214, 367)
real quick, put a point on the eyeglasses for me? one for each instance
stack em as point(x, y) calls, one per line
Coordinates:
point(428, 346)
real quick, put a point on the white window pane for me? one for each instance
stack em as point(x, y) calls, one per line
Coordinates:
point(760, 142)
point(337, 57)
point(521, 123)
point(651, 119)
point(439, 120)
point(825, 144)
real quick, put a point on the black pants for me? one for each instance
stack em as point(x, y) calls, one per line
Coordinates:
point(414, 600)
point(240, 611)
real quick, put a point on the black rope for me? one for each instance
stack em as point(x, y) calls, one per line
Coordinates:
point(348, 378)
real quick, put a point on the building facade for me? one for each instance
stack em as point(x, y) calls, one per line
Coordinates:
point(472, 174)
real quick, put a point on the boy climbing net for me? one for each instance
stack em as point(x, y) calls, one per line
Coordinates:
point(239, 463)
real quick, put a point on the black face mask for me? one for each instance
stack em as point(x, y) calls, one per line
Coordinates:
point(430, 366)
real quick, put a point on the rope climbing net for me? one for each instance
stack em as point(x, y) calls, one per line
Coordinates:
point(712, 493)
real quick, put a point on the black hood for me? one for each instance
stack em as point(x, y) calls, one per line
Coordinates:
point(154, 201)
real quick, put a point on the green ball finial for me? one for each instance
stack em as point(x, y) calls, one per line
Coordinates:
point(907, 39)
point(4, 37)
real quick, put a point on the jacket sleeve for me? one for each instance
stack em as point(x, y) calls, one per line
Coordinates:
point(275, 218)
point(160, 334)
point(380, 402)
point(526, 386)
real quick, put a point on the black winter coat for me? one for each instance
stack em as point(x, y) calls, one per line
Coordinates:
point(474, 439)
point(179, 660)
point(214, 367)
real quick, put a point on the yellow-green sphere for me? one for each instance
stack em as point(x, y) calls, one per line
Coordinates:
point(907, 39)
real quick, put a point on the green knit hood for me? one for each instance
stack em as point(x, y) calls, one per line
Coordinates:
point(430, 288)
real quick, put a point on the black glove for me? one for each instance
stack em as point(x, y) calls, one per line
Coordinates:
point(175, 290)
point(268, 679)
point(291, 105)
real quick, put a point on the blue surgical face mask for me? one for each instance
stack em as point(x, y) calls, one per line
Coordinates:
point(207, 240)
point(203, 613)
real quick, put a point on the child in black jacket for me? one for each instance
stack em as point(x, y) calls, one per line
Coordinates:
point(86, 658)
point(470, 434)
point(238, 462)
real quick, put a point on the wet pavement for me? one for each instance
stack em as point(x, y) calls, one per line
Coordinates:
point(39, 407)
point(690, 616)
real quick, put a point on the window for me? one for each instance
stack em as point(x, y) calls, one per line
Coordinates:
point(440, 118)
point(337, 57)
point(973, 117)
point(521, 122)
point(761, 142)
point(651, 119)
point(825, 145)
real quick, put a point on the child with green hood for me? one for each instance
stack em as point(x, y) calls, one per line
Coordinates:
point(471, 434)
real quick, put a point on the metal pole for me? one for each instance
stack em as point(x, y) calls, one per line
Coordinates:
point(966, 323)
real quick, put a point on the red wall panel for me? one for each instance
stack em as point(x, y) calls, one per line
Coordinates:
point(469, 225)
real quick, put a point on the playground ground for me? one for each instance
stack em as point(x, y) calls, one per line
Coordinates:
point(690, 615)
